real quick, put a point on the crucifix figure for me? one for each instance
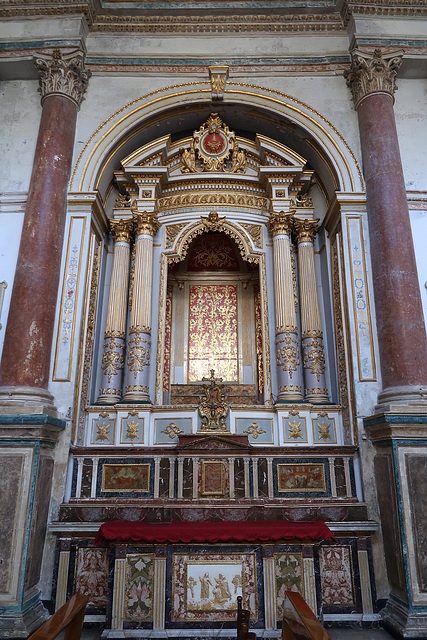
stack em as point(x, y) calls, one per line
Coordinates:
point(213, 407)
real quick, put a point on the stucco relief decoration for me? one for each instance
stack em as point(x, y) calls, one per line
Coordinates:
point(254, 430)
point(214, 148)
point(374, 73)
point(123, 202)
point(206, 586)
point(138, 355)
point(63, 74)
point(172, 430)
point(314, 357)
point(112, 360)
point(288, 353)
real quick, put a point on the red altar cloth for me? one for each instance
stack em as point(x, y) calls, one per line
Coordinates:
point(229, 531)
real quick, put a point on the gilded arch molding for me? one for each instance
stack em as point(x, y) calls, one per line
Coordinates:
point(246, 244)
point(108, 142)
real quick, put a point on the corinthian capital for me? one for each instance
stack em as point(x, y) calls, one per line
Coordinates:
point(145, 223)
point(62, 74)
point(121, 230)
point(305, 230)
point(374, 73)
point(280, 223)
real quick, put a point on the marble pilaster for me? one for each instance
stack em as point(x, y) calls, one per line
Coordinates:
point(139, 341)
point(112, 363)
point(311, 329)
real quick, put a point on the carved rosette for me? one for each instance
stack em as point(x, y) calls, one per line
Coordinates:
point(370, 74)
point(287, 348)
point(311, 330)
point(146, 226)
point(63, 74)
point(112, 363)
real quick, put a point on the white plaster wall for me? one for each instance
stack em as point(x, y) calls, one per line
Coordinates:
point(20, 110)
point(419, 231)
point(411, 120)
point(10, 233)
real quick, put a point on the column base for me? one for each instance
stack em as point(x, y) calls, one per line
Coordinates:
point(20, 624)
point(26, 400)
point(136, 393)
point(290, 393)
point(403, 621)
point(406, 396)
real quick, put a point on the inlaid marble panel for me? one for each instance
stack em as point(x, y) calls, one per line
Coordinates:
point(417, 475)
point(139, 588)
point(289, 576)
point(336, 575)
point(91, 578)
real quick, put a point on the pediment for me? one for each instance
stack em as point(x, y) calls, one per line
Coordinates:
point(214, 442)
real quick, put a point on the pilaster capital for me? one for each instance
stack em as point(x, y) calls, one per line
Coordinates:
point(145, 223)
point(372, 73)
point(63, 74)
point(305, 230)
point(280, 223)
point(121, 230)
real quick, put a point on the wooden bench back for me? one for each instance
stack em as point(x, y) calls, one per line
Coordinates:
point(243, 616)
point(299, 622)
point(69, 617)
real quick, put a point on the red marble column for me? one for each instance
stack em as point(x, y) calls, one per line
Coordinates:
point(28, 339)
point(399, 312)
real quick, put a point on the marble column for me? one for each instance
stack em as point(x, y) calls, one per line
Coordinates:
point(139, 341)
point(29, 427)
point(112, 363)
point(24, 371)
point(311, 329)
point(398, 306)
point(287, 347)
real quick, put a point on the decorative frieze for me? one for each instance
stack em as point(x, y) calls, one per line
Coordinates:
point(63, 74)
point(374, 73)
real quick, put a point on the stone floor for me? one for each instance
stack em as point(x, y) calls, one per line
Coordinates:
point(336, 634)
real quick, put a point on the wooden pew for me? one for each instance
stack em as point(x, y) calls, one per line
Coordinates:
point(243, 616)
point(299, 622)
point(69, 617)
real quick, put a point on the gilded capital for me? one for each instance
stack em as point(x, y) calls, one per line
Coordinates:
point(280, 223)
point(145, 223)
point(305, 230)
point(121, 230)
point(371, 74)
point(63, 74)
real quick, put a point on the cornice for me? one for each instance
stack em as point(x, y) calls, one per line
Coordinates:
point(258, 23)
point(387, 8)
point(34, 8)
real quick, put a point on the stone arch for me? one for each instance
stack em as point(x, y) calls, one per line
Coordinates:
point(131, 126)
point(248, 252)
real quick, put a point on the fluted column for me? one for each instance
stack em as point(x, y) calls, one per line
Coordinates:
point(287, 347)
point(311, 329)
point(112, 363)
point(24, 372)
point(398, 306)
point(139, 341)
